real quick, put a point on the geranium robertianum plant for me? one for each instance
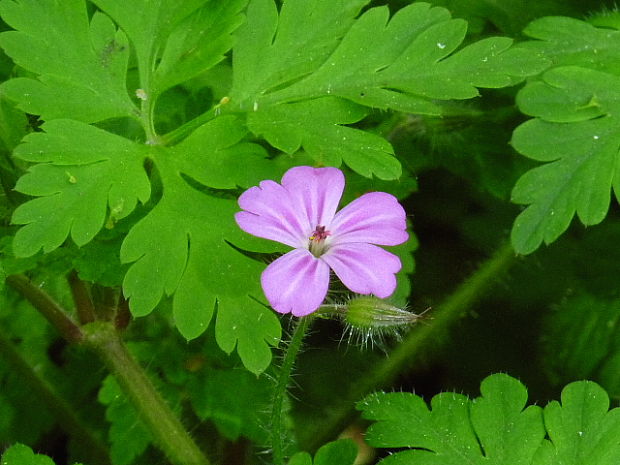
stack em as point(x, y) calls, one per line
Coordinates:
point(132, 132)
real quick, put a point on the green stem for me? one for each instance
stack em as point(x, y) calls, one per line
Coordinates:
point(180, 133)
point(401, 358)
point(57, 406)
point(83, 303)
point(167, 430)
point(281, 386)
point(186, 129)
point(48, 307)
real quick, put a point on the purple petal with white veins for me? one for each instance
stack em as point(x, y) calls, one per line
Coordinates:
point(296, 282)
point(364, 268)
point(272, 214)
point(375, 218)
point(317, 192)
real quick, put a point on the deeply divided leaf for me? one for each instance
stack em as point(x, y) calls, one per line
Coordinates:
point(494, 428)
point(576, 135)
point(175, 41)
point(80, 64)
point(404, 63)
point(317, 126)
point(87, 177)
point(569, 41)
point(190, 257)
point(84, 176)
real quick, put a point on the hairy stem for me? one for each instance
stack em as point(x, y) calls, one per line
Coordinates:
point(283, 379)
point(103, 338)
point(403, 356)
point(166, 428)
point(59, 407)
point(47, 306)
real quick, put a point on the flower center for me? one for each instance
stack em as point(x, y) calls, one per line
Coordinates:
point(317, 245)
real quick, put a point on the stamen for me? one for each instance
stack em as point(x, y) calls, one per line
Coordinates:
point(317, 241)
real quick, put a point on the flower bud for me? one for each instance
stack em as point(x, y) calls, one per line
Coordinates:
point(367, 312)
point(369, 320)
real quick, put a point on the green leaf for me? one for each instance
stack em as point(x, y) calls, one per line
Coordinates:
point(128, 436)
point(198, 43)
point(175, 41)
point(87, 177)
point(494, 428)
point(580, 341)
point(13, 125)
point(215, 156)
point(315, 125)
point(99, 262)
point(235, 412)
point(273, 49)
point(190, 257)
point(569, 41)
point(581, 428)
point(342, 452)
point(409, 61)
point(399, 63)
point(405, 63)
point(93, 174)
point(20, 454)
point(576, 133)
point(81, 65)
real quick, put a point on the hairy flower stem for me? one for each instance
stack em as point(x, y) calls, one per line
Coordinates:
point(405, 355)
point(166, 428)
point(54, 403)
point(282, 384)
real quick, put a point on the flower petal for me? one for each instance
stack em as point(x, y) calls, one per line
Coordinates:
point(364, 268)
point(296, 282)
point(272, 214)
point(317, 192)
point(375, 218)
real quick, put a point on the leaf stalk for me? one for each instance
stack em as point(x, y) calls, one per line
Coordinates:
point(48, 307)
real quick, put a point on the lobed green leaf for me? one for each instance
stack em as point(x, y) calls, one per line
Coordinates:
point(569, 41)
point(19, 454)
point(129, 437)
point(316, 125)
point(404, 63)
point(342, 452)
point(175, 41)
point(80, 65)
point(190, 257)
point(581, 428)
point(494, 428)
point(576, 133)
point(84, 174)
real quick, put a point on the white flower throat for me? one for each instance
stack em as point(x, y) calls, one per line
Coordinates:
point(318, 244)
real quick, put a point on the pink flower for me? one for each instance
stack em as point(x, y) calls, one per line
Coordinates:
point(301, 213)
